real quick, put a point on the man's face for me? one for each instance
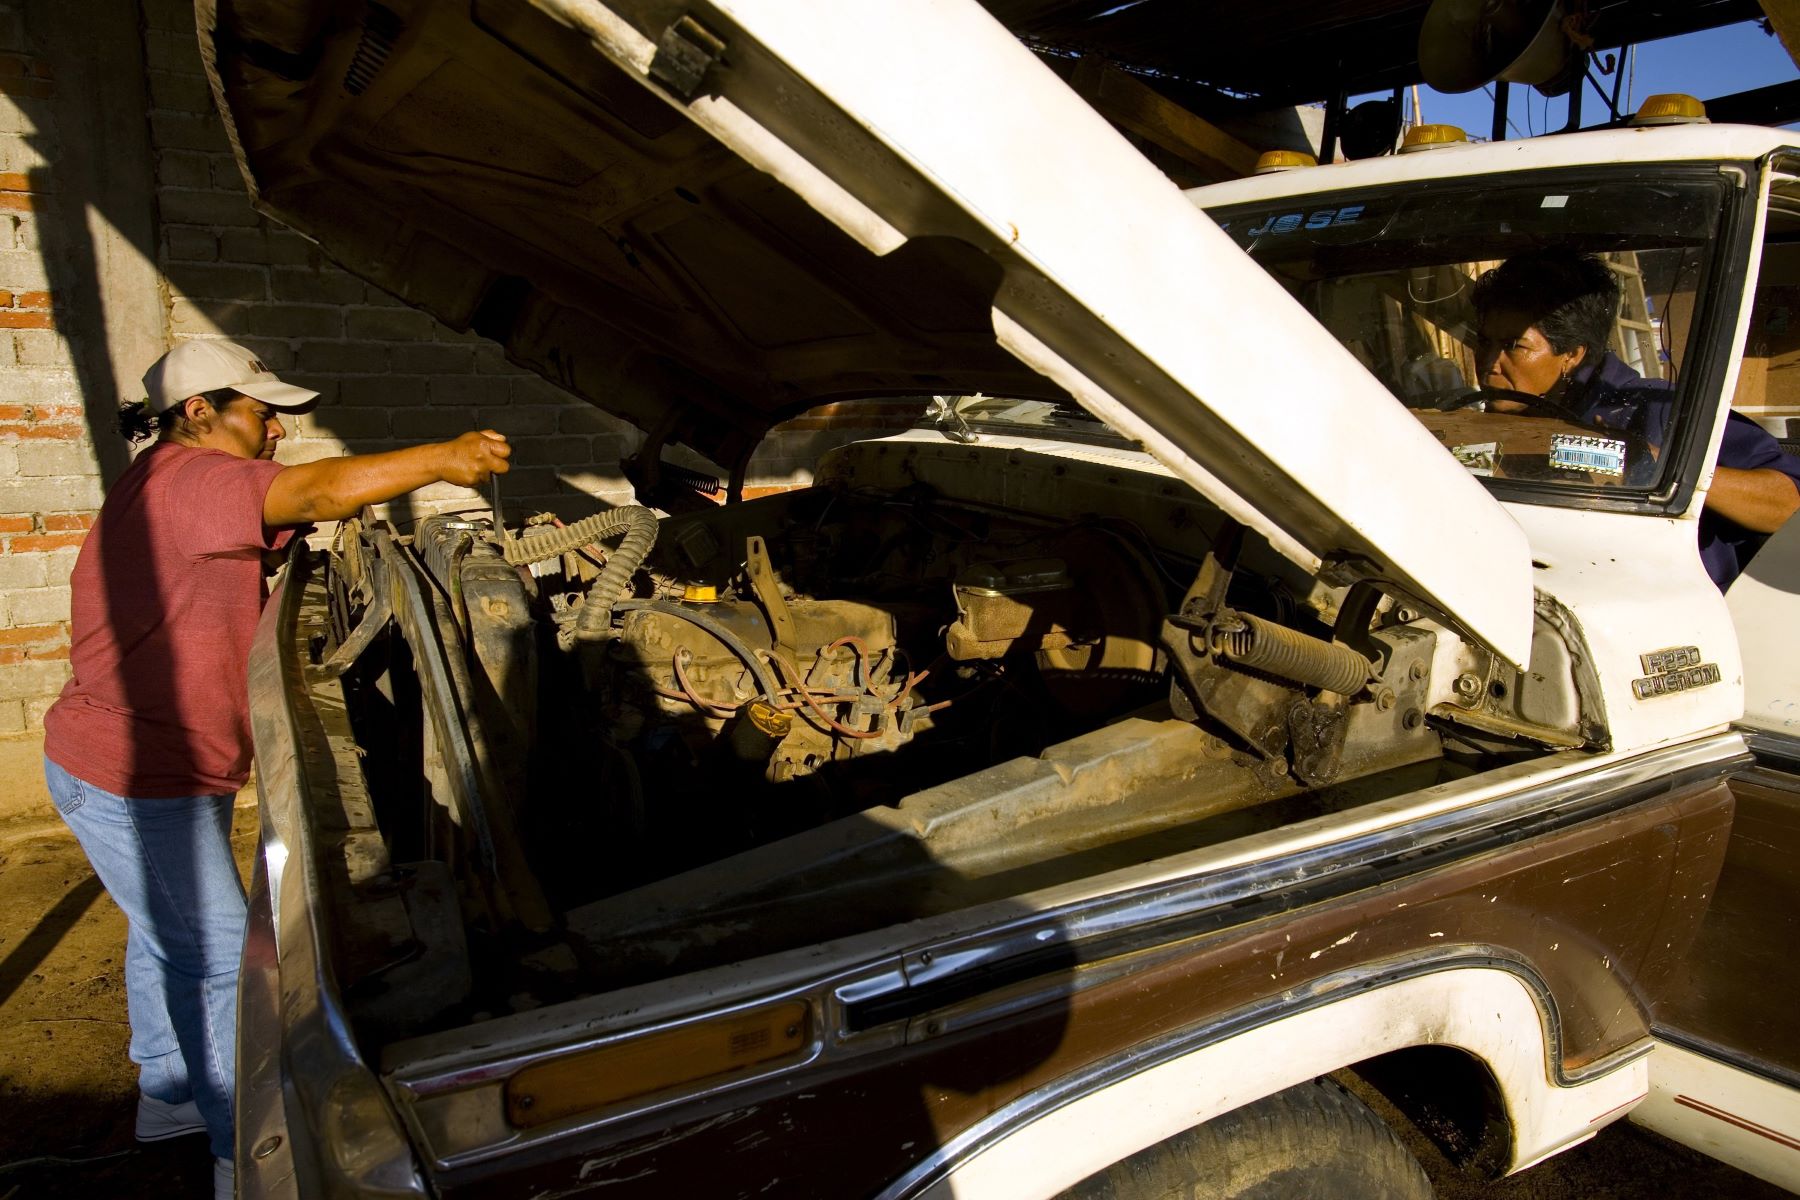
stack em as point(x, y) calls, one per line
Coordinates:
point(1511, 352)
point(246, 428)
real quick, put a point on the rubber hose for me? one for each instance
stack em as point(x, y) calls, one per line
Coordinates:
point(595, 619)
point(525, 550)
point(759, 670)
point(1280, 651)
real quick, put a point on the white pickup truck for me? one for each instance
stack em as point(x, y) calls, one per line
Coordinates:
point(1213, 695)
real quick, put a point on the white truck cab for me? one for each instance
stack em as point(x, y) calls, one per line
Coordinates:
point(1698, 223)
point(1701, 225)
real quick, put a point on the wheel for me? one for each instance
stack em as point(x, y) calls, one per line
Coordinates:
point(1312, 1142)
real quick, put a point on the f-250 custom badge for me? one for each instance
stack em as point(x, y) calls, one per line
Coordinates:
point(1677, 669)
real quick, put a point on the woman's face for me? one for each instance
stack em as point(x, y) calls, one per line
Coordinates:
point(1511, 352)
point(245, 427)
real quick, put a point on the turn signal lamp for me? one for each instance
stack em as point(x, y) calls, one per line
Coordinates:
point(1670, 108)
point(624, 1070)
point(1283, 160)
point(1431, 137)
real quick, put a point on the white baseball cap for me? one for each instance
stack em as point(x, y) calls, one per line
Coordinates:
point(196, 367)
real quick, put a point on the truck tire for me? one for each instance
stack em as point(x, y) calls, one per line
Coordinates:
point(1311, 1142)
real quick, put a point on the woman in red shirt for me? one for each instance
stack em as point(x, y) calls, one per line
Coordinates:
point(150, 741)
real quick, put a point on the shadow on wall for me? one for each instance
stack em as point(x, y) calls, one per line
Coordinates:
point(171, 212)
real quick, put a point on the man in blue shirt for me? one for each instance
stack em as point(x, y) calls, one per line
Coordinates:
point(1544, 322)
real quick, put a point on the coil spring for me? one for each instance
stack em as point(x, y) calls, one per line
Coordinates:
point(1283, 652)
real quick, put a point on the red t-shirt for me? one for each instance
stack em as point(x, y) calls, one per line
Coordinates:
point(167, 592)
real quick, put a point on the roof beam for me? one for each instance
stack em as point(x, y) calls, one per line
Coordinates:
point(1136, 107)
point(1784, 15)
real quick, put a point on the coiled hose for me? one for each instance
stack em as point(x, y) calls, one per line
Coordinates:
point(639, 526)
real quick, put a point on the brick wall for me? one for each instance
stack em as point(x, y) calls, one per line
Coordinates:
point(49, 479)
point(390, 375)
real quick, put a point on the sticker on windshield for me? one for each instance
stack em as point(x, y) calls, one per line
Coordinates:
point(1478, 457)
point(1603, 456)
point(1555, 202)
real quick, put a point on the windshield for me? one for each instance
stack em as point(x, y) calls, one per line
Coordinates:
point(1536, 325)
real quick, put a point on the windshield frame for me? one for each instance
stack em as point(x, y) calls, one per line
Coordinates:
point(1711, 344)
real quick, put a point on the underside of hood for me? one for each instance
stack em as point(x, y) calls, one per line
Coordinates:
point(707, 218)
point(484, 163)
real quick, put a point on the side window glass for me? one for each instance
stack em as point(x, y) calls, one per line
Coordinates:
point(1768, 387)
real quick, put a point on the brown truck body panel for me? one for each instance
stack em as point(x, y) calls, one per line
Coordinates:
point(1556, 907)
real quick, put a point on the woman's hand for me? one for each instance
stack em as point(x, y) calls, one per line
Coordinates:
point(474, 458)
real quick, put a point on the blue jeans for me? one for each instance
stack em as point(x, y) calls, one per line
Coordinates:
point(168, 865)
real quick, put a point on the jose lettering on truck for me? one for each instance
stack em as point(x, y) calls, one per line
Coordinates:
point(1236, 674)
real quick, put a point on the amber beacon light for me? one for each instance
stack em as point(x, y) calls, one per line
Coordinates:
point(1670, 108)
point(1431, 137)
point(1271, 161)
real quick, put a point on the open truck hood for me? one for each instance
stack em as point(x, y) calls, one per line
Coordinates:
point(706, 218)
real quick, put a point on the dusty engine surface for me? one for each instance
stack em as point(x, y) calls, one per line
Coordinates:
point(779, 663)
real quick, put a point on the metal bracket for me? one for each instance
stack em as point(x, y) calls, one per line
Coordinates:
point(374, 620)
point(1316, 735)
point(683, 55)
point(1340, 568)
point(768, 594)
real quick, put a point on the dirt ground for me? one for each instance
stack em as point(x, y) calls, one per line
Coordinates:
point(68, 1091)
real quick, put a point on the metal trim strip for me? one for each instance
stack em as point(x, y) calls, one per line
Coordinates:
point(320, 1058)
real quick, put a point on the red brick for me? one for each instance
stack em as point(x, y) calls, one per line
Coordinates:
point(38, 542)
point(16, 201)
point(40, 653)
point(66, 433)
point(58, 412)
point(15, 181)
point(17, 66)
point(15, 525)
point(26, 635)
point(58, 522)
point(36, 89)
point(28, 299)
point(14, 412)
point(14, 319)
point(9, 657)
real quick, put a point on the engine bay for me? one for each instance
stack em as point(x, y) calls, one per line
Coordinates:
point(941, 675)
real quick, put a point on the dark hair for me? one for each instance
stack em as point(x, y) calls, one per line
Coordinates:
point(1572, 298)
point(137, 423)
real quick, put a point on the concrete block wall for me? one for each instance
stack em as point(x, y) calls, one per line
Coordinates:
point(389, 374)
point(102, 269)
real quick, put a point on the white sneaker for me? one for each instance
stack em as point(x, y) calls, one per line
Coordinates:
point(158, 1120)
point(224, 1179)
